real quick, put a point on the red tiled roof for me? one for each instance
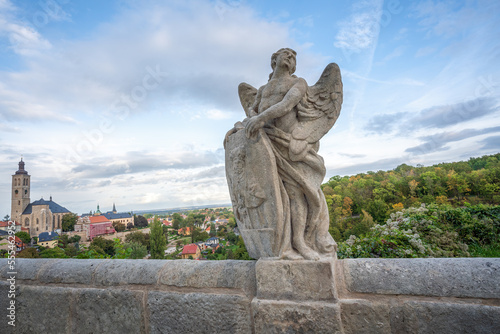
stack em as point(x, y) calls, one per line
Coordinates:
point(98, 219)
point(190, 249)
point(6, 224)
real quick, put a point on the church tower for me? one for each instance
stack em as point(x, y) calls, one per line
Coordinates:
point(20, 192)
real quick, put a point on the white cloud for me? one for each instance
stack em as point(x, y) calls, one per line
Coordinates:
point(218, 114)
point(205, 58)
point(361, 30)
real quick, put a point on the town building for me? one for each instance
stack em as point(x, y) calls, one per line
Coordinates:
point(4, 226)
point(113, 216)
point(39, 216)
point(98, 225)
point(48, 239)
point(191, 250)
point(20, 245)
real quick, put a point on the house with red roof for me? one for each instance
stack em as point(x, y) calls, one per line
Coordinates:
point(184, 231)
point(191, 250)
point(99, 225)
point(20, 245)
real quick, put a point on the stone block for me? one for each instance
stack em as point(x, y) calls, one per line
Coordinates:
point(361, 316)
point(28, 269)
point(211, 274)
point(43, 309)
point(272, 317)
point(180, 313)
point(446, 277)
point(296, 280)
point(108, 311)
point(444, 318)
point(4, 303)
point(121, 272)
point(72, 271)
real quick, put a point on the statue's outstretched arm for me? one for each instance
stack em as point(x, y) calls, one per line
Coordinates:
point(291, 99)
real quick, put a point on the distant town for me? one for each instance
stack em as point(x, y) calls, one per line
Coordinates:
point(44, 228)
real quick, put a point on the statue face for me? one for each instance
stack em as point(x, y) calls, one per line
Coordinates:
point(284, 57)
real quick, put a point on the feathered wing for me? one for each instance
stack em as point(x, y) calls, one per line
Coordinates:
point(247, 95)
point(320, 107)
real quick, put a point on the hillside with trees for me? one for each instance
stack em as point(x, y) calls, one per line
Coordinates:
point(456, 202)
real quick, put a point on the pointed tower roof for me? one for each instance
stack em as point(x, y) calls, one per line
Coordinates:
point(98, 212)
point(21, 168)
point(114, 208)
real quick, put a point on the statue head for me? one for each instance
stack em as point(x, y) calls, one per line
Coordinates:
point(280, 51)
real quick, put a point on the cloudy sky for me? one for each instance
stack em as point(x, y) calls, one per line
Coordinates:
point(129, 101)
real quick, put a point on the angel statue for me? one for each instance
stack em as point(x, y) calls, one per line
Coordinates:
point(273, 169)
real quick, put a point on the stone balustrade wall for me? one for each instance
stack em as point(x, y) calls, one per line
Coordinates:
point(185, 296)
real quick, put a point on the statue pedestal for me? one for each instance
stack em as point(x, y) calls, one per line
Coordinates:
point(296, 297)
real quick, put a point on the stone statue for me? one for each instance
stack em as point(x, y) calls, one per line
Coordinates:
point(273, 170)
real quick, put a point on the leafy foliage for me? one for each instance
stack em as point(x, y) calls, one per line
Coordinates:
point(68, 222)
point(476, 181)
point(429, 231)
point(157, 240)
point(24, 236)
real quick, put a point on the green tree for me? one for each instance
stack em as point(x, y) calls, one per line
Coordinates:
point(55, 252)
point(107, 246)
point(138, 237)
point(137, 250)
point(29, 253)
point(140, 221)
point(68, 222)
point(177, 221)
point(157, 241)
point(213, 230)
point(24, 236)
point(75, 238)
point(119, 227)
point(71, 250)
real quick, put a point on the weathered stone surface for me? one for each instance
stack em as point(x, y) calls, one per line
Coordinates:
point(445, 318)
point(28, 269)
point(43, 309)
point(291, 317)
point(361, 316)
point(456, 277)
point(129, 272)
point(198, 313)
point(74, 271)
point(4, 303)
point(210, 274)
point(296, 280)
point(107, 311)
point(273, 170)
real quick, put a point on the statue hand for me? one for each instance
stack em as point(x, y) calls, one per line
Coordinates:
point(254, 124)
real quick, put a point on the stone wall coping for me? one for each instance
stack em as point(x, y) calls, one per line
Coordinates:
point(239, 275)
point(438, 277)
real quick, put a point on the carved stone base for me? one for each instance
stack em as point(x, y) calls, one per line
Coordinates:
point(296, 297)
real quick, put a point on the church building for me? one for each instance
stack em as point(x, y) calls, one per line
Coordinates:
point(39, 216)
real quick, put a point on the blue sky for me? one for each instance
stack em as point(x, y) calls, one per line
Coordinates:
point(129, 101)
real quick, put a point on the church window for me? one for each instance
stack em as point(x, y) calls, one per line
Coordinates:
point(37, 221)
point(18, 202)
point(53, 222)
point(27, 222)
point(37, 229)
point(58, 221)
point(25, 191)
point(17, 191)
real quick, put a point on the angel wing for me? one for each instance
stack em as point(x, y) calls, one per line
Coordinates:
point(320, 107)
point(247, 95)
